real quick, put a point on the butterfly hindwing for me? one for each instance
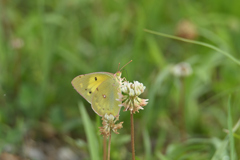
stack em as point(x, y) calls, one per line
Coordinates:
point(104, 98)
point(87, 84)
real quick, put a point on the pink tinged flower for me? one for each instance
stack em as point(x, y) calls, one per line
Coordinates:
point(109, 124)
point(130, 98)
point(126, 104)
point(143, 102)
point(120, 97)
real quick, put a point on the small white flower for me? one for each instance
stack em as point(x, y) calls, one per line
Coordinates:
point(109, 117)
point(139, 88)
point(124, 89)
point(138, 92)
point(131, 92)
point(108, 123)
point(182, 69)
point(130, 98)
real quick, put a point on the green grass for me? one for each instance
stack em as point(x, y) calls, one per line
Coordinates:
point(63, 39)
point(90, 133)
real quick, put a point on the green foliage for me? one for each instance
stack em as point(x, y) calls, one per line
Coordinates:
point(45, 44)
point(230, 131)
point(90, 133)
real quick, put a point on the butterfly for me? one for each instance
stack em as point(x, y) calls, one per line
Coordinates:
point(101, 90)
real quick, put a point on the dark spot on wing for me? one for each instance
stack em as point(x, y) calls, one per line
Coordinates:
point(90, 92)
point(86, 89)
point(81, 76)
point(95, 78)
point(97, 89)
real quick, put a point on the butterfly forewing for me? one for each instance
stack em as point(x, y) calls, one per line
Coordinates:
point(87, 84)
point(104, 98)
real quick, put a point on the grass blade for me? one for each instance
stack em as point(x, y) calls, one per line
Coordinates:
point(89, 130)
point(196, 42)
point(161, 156)
point(147, 144)
point(231, 139)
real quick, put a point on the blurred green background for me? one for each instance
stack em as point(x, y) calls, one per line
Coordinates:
point(45, 44)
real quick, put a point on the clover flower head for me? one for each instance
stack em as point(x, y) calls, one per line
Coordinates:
point(109, 124)
point(130, 99)
point(182, 69)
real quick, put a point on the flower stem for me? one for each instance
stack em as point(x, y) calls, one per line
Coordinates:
point(132, 137)
point(104, 147)
point(182, 109)
point(109, 145)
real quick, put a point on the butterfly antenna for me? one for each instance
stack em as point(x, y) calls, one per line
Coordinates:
point(125, 65)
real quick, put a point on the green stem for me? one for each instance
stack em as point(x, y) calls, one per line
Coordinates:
point(109, 146)
point(132, 137)
point(196, 42)
point(104, 147)
point(181, 108)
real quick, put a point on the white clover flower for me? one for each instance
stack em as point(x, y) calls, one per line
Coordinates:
point(109, 117)
point(182, 69)
point(109, 124)
point(131, 92)
point(130, 99)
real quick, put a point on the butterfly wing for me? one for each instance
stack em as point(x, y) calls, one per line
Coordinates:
point(86, 84)
point(104, 98)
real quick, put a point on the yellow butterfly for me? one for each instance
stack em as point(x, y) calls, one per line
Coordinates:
point(101, 90)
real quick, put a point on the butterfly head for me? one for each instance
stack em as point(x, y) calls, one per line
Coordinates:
point(118, 74)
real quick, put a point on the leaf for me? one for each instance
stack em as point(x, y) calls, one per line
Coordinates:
point(89, 130)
